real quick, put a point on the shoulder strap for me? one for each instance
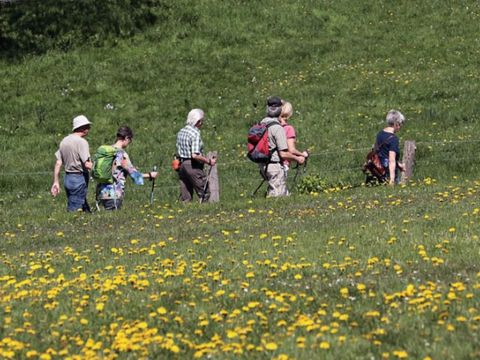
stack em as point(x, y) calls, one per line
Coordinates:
point(378, 147)
point(270, 124)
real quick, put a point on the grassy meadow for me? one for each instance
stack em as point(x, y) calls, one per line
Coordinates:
point(344, 272)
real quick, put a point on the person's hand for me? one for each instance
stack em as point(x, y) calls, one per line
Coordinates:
point(88, 165)
point(301, 160)
point(213, 161)
point(401, 167)
point(55, 189)
point(153, 174)
point(305, 154)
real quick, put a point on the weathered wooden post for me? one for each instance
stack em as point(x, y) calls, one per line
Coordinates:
point(213, 184)
point(408, 160)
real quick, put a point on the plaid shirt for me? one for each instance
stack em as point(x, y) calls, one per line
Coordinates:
point(189, 142)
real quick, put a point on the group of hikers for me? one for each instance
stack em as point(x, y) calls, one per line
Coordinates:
point(271, 143)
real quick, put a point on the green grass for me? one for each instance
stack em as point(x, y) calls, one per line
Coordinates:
point(368, 271)
point(346, 273)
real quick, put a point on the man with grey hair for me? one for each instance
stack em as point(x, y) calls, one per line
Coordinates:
point(388, 148)
point(74, 155)
point(192, 161)
point(273, 171)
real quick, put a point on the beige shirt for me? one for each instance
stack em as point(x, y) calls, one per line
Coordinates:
point(276, 138)
point(73, 152)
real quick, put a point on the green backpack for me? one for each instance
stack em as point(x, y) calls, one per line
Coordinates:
point(103, 163)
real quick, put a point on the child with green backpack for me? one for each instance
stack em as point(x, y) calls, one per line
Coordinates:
point(111, 167)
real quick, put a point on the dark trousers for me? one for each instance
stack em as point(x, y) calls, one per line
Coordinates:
point(192, 177)
point(111, 204)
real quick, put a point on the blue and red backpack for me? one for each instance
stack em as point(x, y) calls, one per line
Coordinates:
point(257, 143)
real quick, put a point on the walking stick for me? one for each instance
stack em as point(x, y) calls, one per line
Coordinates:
point(297, 168)
point(153, 185)
point(264, 176)
point(202, 198)
point(258, 188)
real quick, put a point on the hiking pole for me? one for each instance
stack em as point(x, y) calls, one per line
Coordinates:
point(305, 163)
point(258, 188)
point(202, 198)
point(297, 170)
point(154, 169)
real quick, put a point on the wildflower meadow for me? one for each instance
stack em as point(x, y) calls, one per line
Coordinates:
point(336, 270)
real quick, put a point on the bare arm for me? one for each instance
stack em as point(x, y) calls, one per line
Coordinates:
point(392, 166)
point(292, 148)
point(55, 189)
point(204, 159)
point(287, 155)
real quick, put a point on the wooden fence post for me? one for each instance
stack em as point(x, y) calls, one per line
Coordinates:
point(213, 184)
point(408, 160)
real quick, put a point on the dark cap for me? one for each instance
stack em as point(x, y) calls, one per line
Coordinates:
point(274, 101)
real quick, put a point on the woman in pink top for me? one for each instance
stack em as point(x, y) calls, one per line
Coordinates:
point(286, 114)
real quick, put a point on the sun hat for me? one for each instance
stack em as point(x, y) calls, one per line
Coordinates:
point(79, 121)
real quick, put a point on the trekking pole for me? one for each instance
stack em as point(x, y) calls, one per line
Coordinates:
point(297, 170)
point(154, 169)
point(264, 176)
point(202, 198)
point(258, 188)
point(305, 163)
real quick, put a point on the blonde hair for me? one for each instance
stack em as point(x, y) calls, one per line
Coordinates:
point(287, 110)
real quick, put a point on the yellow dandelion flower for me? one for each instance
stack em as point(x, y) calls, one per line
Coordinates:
point(325, 345)
point(271, 346)
point(401, 354)
point(161, 310)
point(232, 334)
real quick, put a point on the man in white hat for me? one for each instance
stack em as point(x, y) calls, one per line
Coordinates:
point(74, 155)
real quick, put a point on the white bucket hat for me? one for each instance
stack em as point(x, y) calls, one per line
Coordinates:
point(80, 121)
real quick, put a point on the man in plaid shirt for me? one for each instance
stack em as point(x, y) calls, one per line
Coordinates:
point(190, 150)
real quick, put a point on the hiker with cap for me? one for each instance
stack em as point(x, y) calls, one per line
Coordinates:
point(273, 171)
point(192, 161)
point(111, 191)
point(74, 155)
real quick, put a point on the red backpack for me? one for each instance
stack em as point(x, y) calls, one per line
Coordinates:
point(257, 143)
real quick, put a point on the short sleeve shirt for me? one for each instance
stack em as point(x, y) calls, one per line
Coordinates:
point(189, 142)
point(290, 134)
point(277, 140)
point(289, 131)
point(387, 142)
point(74, 152)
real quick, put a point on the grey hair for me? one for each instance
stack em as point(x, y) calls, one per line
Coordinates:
point(194, 116)
point(274, 111)
point(395, 117)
